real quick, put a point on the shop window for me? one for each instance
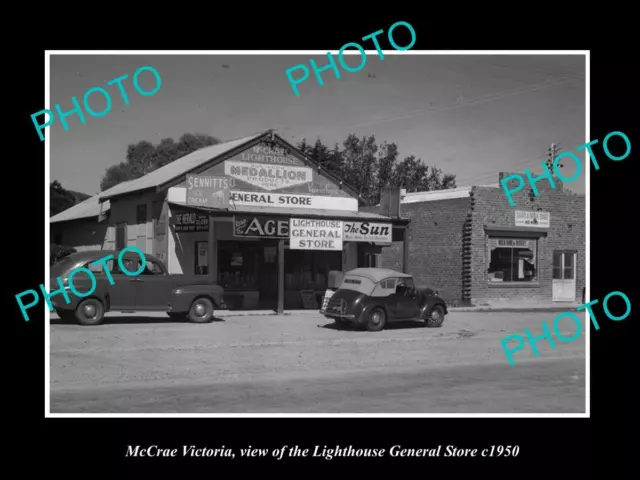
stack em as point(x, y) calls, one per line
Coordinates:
point(141, 214)
point(512, 260)
point(121, 236)
point(201, 252)
point(563, 265)
point(309, 269)
point(239, 264)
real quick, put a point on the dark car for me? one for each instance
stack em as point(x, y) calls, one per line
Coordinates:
point(192, 297)
point(372, 297)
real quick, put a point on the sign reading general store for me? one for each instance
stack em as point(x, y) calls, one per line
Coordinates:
point(532, 219)
point(260, 226)
point(367, 232)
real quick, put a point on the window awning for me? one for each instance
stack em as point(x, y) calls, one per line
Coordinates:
point(297, 212)
point(513, 231)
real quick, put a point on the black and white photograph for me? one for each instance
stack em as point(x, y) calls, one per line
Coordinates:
point(275, 233)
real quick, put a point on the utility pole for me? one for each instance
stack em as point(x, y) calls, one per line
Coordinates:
point(553, 152)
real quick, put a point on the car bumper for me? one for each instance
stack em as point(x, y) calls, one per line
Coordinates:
point(348, 318)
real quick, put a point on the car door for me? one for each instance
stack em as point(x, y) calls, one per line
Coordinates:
point(121, 293)
point(153, 286)
point(407, 299)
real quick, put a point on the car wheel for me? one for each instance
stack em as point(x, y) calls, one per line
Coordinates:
point(177, 316)
point(201, 310)
point(90, 312)
point(377, 320)
point(436, 317)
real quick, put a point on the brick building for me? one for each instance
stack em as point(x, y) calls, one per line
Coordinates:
point(471, 246)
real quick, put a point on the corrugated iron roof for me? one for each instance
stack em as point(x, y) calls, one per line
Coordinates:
point(89, 208)
point(300, 212)
point(177, 168)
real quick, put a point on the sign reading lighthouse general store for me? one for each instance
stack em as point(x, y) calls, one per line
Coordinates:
point(307, 234)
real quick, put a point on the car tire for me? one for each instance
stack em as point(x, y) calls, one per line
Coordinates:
point(89, 312)
point(435, 317)
point(201, 310)
point(376, 320)
point(177, 316)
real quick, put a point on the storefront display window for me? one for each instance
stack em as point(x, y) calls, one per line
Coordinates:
point(512, 260)
point(238, 264)
point(309, 270)
point(202, 256)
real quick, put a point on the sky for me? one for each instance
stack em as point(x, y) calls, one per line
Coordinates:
point(469, 115)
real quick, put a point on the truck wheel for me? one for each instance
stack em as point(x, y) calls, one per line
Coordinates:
point(436, 317)
point(377, 320)
point(90, 311)
point(201, 310)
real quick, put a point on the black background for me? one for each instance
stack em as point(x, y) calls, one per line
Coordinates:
point(549, 448)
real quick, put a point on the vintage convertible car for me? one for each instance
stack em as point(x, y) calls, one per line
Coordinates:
point(371, 297)
point(192, 297)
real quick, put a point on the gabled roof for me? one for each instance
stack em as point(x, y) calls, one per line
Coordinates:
point(177, 168)
point(174, 172)
point(88, 209)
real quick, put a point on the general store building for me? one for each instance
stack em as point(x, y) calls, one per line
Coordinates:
point(254, 214)
point(474, 248)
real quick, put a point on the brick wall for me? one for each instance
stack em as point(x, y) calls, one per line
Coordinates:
point(435, 247)
point(567, 231)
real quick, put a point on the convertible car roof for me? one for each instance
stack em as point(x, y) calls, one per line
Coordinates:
point(377, 274)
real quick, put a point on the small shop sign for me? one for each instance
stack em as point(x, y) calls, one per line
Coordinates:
point(260, 226)
point(189, 222)
point(308, 234)
point(367, 232)
point(511, 242)
point(532, 219)
point(208, 191)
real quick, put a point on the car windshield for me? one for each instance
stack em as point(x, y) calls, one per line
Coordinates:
point(357, 284)
point(61, 267)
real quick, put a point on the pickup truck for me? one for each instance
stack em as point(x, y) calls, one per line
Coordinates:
point(191, 297)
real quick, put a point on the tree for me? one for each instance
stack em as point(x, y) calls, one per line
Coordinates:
point(60, 199)
point(368, 167)
point(144, 157)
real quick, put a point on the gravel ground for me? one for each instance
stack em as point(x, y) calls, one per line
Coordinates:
point(247, 357)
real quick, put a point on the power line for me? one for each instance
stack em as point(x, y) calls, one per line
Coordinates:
point(485, 99)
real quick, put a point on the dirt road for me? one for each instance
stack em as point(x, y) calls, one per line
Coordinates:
point(300, 364)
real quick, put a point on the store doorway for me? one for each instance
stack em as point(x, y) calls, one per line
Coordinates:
point(268, 278)
point(564, 275)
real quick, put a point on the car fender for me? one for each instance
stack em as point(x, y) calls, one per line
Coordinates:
point(432, 301)
point(370, 306)
point(182, 297)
